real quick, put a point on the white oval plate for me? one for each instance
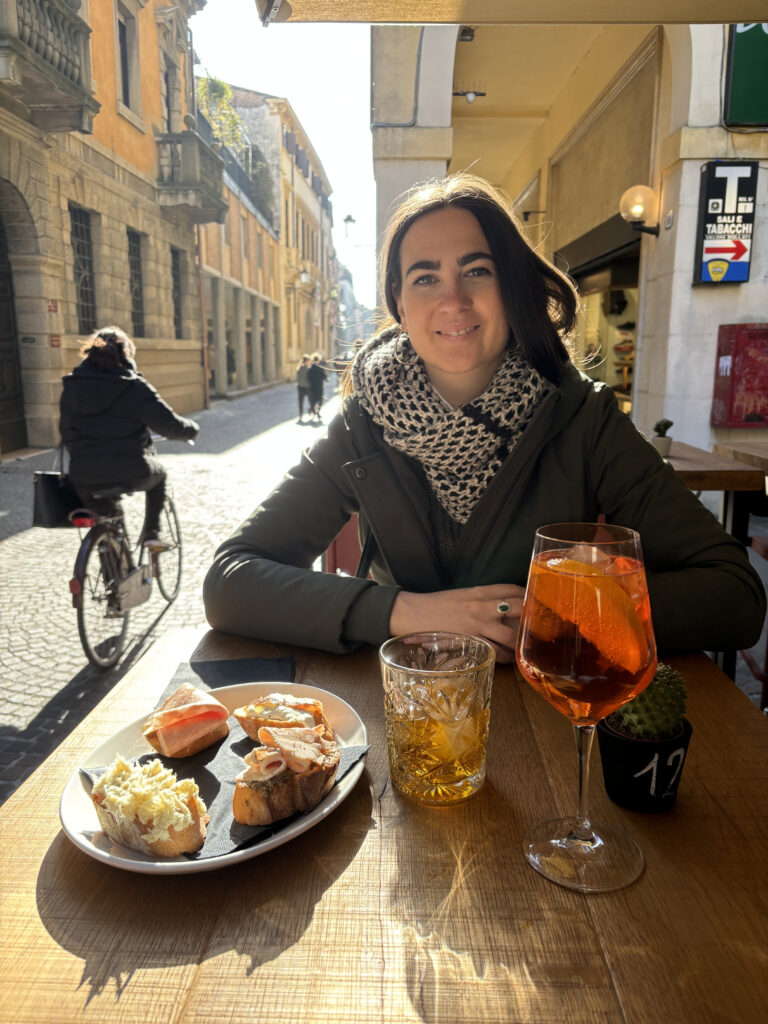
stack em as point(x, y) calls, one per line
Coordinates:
point(79, 820)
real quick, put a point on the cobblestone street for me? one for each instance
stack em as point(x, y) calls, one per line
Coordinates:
point(244, 448)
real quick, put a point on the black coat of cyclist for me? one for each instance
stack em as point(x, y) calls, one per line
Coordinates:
point(108, 411)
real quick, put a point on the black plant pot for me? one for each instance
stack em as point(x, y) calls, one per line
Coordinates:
point(642, 775)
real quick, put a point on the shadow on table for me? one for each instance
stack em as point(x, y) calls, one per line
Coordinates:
point(120, 923)
point(479, 927)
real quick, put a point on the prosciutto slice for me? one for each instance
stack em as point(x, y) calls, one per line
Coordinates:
point(182, 718)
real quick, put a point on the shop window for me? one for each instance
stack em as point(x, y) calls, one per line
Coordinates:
point(178, 326)
point(136, 284)
point(85, 282)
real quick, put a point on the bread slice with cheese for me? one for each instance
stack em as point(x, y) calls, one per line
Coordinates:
point(145, 807)
point(289, 773)
point(282, 711)
point(188, 721)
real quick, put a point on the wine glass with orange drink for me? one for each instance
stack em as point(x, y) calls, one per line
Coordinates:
point(586, 644)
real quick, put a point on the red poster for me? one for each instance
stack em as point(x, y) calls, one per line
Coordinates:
point(740, 397)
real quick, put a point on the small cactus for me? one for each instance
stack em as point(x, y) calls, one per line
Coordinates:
point(657, 712)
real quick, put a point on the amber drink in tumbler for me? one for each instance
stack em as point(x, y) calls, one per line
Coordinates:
point(437, 696)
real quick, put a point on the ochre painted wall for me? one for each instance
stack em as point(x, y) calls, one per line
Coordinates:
point(111, 128)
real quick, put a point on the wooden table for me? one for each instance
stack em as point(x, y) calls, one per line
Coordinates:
point(753, 452)
point(704, 471)
point(390, 912)
point(707, 471)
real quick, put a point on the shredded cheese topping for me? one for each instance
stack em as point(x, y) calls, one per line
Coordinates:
point(150, 793)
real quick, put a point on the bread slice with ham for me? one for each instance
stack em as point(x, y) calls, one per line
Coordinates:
point(186, 722)
point(290, 773)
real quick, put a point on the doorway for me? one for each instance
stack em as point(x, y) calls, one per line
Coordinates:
point(13, 429)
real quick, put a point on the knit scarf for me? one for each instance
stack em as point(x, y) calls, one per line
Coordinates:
point(460, 450)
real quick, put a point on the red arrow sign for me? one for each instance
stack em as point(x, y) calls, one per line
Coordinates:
point(734, 249)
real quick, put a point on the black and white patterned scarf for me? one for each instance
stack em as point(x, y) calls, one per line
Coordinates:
point(460, 450)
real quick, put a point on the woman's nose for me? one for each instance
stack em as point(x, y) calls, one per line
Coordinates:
point(454, 295)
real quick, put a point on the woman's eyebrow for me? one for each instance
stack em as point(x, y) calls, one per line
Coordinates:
point(462, 261)
point(470, 257)
point(423, 265)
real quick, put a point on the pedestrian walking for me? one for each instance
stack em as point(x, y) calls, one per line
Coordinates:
point(303, 387)
point(317, 377)
point(465, 426)
point(107, 412)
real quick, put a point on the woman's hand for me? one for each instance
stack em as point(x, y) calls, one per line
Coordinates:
point(470, 610)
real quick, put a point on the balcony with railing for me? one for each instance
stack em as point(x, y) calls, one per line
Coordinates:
point(190, 176)
point(45, 63)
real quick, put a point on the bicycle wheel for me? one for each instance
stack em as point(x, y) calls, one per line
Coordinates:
point(168, 563)
point(102, 628)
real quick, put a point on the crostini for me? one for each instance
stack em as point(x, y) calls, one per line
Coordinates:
point(145, 807)
point(282, 711)
point(290, 772)
point(186, 722)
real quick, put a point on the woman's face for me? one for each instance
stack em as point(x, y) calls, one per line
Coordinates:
point(450, 303)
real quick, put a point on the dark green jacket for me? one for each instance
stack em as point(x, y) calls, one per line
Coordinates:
point(579, 457)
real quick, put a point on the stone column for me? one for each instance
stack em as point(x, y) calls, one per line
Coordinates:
point(257, 357)
point(241, 357)
point(269, 340)
point(218, 315)
point(277, 342)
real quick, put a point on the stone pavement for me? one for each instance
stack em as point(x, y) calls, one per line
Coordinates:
point(46, 685)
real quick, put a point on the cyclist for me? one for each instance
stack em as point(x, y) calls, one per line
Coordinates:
point(107, 412)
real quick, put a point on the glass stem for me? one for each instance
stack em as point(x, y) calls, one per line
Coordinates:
point(584, 737)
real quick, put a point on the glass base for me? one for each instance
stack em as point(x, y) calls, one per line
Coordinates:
point(610, 861)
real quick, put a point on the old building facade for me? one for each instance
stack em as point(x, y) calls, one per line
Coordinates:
point(303, 216)
point(102, 181)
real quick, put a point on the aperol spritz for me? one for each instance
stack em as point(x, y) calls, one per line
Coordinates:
point(586, 644)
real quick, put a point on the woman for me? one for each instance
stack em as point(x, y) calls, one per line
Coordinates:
point(317, 377)
point(302, 387)
point(466, 427)
point(107, 413)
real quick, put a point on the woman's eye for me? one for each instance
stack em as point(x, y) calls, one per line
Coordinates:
point(425, 279)
point(479, 272)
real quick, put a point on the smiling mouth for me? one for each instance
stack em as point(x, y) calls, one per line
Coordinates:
point(458, 334)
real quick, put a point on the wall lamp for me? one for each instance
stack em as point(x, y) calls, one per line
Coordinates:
point(304, 277)
point(637, 205)
point(470, 95)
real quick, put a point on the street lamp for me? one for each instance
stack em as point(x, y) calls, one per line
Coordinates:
point(637, 205)
point(304, 277)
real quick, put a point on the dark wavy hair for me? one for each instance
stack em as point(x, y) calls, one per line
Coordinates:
point(539, 300)
point(108, 348)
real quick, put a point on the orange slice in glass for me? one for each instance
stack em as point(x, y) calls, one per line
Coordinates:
point(597, 605)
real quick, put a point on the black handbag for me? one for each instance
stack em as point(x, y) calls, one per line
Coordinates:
point(55, 498)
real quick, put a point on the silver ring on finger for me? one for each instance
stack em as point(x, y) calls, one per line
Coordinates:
point(503, 607)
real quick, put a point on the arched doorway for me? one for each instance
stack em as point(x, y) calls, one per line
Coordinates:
point(13, 430)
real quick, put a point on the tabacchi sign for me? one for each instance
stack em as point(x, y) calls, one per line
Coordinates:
point(726, 219)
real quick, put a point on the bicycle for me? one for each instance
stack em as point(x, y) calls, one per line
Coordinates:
point(108, 581)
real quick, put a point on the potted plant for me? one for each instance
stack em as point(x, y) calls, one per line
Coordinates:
point(660, 441)
point(643, 745)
